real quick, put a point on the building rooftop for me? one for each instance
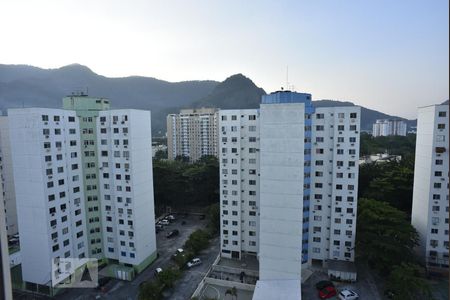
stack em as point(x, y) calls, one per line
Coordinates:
point(277, 290)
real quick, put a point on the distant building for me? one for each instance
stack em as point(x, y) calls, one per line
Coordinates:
point(430, 194)
point(379, 158)
point(389, 127)
point(289, 183)
point(84, 188)
point(192, 133)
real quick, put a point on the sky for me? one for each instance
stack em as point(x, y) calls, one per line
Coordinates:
point(391, 56)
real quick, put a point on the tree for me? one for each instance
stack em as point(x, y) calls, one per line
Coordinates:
point(232, 292)
point(160, 154)
point(391, 182)
point(385, 236)
point(168, 277)
point(407, 283)
point(213, 216)
point(197, 241)
point(150, 291)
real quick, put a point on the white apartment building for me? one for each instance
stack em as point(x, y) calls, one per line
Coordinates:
point(306, 195)
point(7, 178)
point(88, 173)
point(282, 139)
point(192, 133)
point(334, 184)
point(126, 186)
point(389, 127)
point(48, 180)
point(239, 182)
point(430, 193)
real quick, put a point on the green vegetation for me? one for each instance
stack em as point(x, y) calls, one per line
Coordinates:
point(391, 182)
point(160, 154)
point(385, 236)
point(398, 145)
point(183, 185)
point(407, 283)
point(197, 241)
point(385, 240)
point(153, 290)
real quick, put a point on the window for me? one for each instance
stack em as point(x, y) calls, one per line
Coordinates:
point(251, 128)
point(353, 127)
point(320, 116)
point(45, 118)
point(341, 127)
point(56, 118)
point(353, 115)
point(441, 126)
point(439, 161)
point(319, 127)
point(340, 151)
point(252, 117)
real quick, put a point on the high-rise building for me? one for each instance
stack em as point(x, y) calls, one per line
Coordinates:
point(430, 193)
point(303, 201)
point(48, 182)
point(5, 274)
point(88, 173)
point(192, 133)
point(7, 178)
point(239, 181)
point(389, 127)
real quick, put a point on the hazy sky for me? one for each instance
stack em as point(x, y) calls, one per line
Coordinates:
point(390, 55)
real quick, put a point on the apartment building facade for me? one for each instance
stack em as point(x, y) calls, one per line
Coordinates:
point(192, 133)
point(239, 182)
point(308, 183)
point(90, 189)
point(334, 184)
point(7, 179)
point(430, 192)
point(388, 128)
point(46, 158)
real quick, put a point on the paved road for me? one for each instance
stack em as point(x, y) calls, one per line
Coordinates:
point(124, 290)
point(186, 285)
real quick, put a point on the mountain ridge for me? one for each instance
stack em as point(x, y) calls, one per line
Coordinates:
point(25, 86)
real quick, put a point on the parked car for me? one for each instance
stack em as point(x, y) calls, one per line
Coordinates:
point(327, 292)
point(173, 233)
point(323, 284)
point(348, 295)
point(194, 262)
point(164, 222)
point(158, 270)
point(178, 252)
point(170, 218)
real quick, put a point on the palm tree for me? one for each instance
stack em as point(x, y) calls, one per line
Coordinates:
point(232, 292)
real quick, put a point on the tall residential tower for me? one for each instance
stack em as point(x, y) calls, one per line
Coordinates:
point(192, 133)
point(298, 179)
point(430, 194)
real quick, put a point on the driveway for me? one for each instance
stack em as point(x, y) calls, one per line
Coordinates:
point(125, 290)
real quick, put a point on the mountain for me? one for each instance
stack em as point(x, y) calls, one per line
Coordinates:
point(235, 92)
point(28, 86)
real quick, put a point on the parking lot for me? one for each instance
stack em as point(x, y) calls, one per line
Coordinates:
point(365, 288)
point(124, 290)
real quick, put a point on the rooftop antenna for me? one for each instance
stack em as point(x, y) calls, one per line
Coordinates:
point(287, 77)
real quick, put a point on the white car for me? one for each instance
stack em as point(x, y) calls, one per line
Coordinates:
point(158, 270)
point(179, 252)
point(194, 262)
point(348, 295)
point(170, 218)
point(164, 222)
